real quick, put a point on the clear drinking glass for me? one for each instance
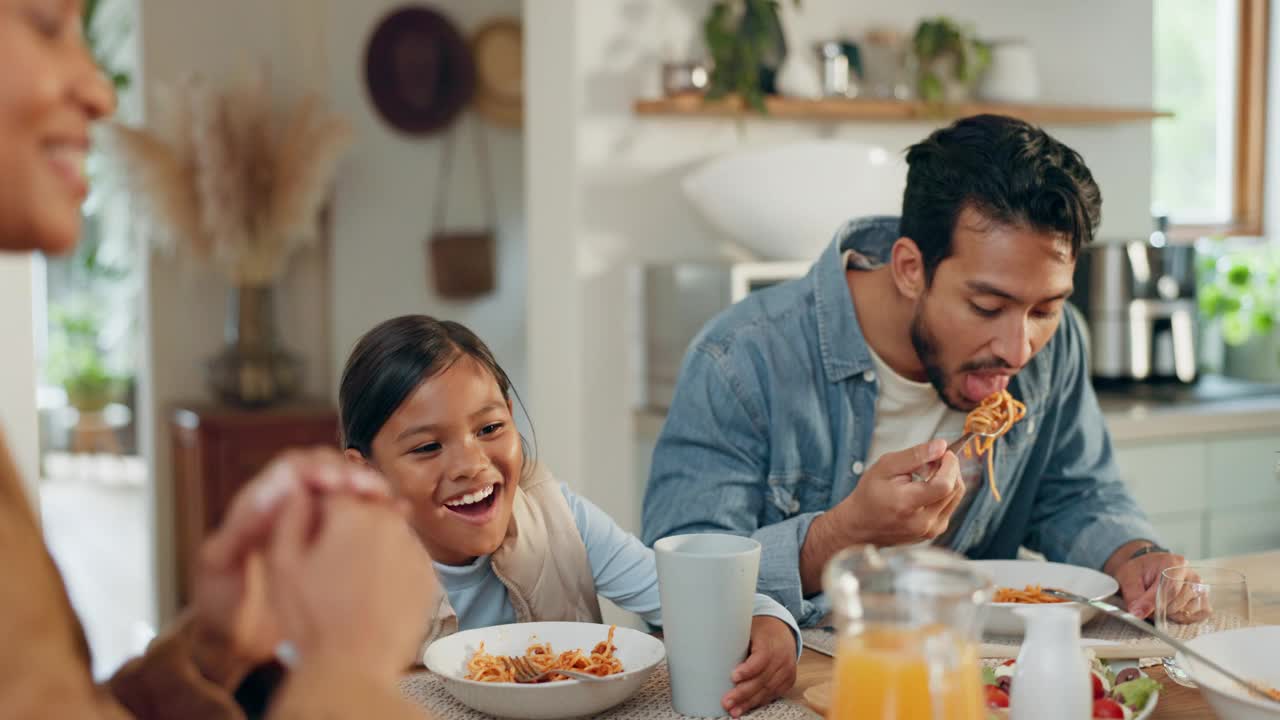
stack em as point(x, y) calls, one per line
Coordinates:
point(1195, 599)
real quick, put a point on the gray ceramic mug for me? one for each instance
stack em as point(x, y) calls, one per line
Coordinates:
point(707, 583)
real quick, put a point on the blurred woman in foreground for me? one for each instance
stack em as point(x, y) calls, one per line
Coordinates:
point(313, 551)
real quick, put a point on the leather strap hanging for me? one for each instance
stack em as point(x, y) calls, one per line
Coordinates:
point(462, 262)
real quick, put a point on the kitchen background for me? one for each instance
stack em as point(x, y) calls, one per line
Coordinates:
point(604, 180)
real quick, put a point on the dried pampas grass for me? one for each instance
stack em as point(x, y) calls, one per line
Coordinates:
point(233, 176)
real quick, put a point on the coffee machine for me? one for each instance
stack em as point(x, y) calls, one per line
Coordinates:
point(1139, 301)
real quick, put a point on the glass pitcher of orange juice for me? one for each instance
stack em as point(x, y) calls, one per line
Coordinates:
point(909, 621)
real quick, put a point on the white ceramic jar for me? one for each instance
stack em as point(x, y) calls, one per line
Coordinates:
point(1051, 678)
point(1012, 76)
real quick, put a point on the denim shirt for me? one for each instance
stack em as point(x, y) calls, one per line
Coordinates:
point(773, 415)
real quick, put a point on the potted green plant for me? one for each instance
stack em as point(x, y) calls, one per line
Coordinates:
point(77, 361)
point(1239, 295)
point(747, 45)
point(950, 60)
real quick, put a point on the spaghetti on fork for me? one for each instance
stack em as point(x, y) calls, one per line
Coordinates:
point(990, 420)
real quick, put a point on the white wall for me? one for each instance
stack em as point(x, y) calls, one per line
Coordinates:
point(185, 302)
point(386, 200)
point(622, 189)
point(18, 422)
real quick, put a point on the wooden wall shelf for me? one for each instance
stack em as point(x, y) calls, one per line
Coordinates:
point(839, 110)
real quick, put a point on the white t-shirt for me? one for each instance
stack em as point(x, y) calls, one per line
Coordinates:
point(909, 413)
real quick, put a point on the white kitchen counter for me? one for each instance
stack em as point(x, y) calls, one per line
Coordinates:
point(1132, 420)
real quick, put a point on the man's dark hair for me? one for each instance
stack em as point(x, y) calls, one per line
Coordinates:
point(1009, 171)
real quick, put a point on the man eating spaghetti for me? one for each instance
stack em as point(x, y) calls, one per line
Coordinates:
point(805, 413)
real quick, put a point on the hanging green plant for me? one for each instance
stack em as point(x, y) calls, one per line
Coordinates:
point(746, 44)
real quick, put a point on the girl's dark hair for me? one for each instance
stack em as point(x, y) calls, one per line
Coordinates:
point(1009, 171)
point(392, 359)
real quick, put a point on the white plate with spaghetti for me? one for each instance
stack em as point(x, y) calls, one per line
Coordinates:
point(1017, 576)
point(454, 658)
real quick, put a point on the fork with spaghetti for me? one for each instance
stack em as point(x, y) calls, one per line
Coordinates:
point(993, 417)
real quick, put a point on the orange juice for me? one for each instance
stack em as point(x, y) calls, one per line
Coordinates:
point(883, 674)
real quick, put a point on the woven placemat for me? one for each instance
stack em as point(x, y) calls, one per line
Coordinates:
point(652, 702)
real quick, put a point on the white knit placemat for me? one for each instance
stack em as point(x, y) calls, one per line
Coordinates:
point(652, 702)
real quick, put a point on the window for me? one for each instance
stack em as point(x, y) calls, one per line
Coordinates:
point(1210, 71)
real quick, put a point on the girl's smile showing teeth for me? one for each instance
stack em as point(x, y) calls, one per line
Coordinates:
point(475, 505)
point(470, 498)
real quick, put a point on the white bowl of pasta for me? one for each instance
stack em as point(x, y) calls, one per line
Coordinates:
point(460, 658)
point(1019, 578)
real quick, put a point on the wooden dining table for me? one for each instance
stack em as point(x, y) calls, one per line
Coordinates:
point(1262, 573)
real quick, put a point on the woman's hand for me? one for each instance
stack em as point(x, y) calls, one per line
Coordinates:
point(236, 627)
point(350, 584)
point(769, 670)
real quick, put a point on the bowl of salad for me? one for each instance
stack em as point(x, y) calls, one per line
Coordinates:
point(1119, 691)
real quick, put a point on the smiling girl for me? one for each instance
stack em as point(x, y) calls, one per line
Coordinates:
point(424, 402)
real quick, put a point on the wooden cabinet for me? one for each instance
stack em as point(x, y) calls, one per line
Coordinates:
point(217, 449)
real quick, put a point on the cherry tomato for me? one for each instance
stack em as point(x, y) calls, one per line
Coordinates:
point(996, 697)
point(1105, 708)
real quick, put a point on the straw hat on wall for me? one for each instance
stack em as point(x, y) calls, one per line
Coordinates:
point(498, 49)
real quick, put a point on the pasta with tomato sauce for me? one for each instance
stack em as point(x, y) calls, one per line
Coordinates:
point(992, 418)
point(498, 668)
point(1033, 594)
